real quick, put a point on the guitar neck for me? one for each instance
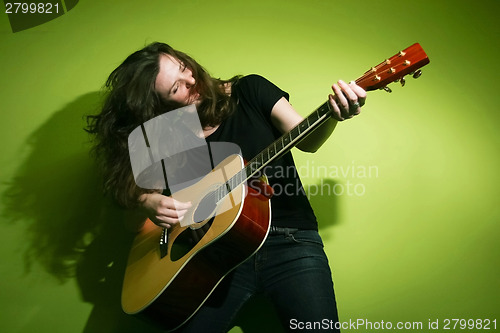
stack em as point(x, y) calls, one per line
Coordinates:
point(288, 140)
point(277, 149)
point(392, 69)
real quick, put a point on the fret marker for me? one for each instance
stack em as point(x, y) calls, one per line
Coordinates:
point(407, 63)
point(377, 78)
point(401, 53)
point(392, 70)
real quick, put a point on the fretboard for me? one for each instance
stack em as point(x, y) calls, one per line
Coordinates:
point(276, 149)
point(288, 140)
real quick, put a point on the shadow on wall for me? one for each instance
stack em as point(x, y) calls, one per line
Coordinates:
point(75, 232)
point(56, 190)
point(72, 230)
point(325, 204)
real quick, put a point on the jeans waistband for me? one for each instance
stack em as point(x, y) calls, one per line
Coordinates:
point(282, 231)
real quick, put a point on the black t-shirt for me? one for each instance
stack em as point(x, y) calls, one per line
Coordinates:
point(251, 129)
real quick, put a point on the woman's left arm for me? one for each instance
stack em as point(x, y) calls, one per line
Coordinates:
point(346, 103)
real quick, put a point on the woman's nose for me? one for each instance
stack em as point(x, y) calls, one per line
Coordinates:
point(188, 78)
point(190, 81)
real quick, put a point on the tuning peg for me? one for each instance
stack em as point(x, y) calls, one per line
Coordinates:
point(386, 88)
point(402, 81)
point(417, 74)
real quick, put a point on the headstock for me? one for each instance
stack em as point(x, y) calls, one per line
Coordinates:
point(395, 68)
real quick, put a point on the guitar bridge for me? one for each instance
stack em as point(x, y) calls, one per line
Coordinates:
point(164, 243)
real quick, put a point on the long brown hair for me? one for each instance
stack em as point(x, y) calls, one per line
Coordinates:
point(131, 100)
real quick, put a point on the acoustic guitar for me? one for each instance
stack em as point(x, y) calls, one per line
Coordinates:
point(171, 273)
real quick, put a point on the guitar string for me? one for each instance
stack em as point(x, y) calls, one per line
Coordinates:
point(371, 74)
point(255, 165)
point(238, 178)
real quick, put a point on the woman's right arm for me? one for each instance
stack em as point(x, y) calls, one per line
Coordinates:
point(162, 210)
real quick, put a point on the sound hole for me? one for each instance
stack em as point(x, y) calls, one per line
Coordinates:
point(187, 239)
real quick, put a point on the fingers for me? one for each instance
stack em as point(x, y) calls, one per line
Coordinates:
point(181, 205)
point(166, 222)
point(341, 103)
point(170, 212)
point(360, 92)
point(347, 100)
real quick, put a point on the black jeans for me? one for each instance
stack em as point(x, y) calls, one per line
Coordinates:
point(293, 271)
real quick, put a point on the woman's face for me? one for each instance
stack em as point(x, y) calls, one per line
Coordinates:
point(175, 82)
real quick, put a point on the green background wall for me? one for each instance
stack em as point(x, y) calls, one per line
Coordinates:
point(418, 241)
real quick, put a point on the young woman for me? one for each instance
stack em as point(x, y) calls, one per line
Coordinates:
point(291, 267)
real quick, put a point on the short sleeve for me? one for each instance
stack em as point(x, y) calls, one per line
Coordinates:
point(260, 93)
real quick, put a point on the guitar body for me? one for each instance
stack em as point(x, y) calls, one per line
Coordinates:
point(169, 282)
